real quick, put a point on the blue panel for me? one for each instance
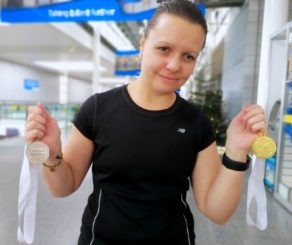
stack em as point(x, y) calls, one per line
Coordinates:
point(127, 52)
point(30, 84)
point(128, 73)
point(76, 11)
point(270, 170)
point(127, 63)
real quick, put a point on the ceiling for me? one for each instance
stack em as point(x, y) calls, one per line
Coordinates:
point(27, 43)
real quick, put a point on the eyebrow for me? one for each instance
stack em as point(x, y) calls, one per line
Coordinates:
point(169, 44)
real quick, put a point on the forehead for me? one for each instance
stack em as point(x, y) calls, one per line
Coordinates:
point(175, 29)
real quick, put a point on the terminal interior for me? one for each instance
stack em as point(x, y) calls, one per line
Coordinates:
point(62, 64)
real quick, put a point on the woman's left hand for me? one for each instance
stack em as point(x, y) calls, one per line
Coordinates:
point(245, 127)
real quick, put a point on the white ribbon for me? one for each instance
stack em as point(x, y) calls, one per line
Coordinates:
point(256, 190)
point(27, 199)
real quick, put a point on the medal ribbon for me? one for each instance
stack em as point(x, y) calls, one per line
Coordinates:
point(262, 147)
point(256, 190)
point(27, 199)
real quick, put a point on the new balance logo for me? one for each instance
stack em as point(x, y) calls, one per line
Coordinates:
point(181, 130)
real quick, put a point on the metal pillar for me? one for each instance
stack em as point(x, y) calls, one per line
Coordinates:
point(96, 60)
point(275, 16)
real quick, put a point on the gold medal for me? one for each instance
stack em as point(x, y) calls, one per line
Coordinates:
point(263, 147)
point(37, 152)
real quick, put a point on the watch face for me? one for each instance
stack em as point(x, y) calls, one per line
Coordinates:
point(264, 147)
point(37, 152)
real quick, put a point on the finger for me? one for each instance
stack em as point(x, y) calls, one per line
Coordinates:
point(256, 124)
point(36, 110)
point(253, 109)
point(33, 135)
point(239, 117)
point(252, 119)
point(32, 125)
point(41, 106)
point(256, 112)
point(37, 118)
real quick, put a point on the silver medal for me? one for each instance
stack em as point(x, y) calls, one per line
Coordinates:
point(37, 152)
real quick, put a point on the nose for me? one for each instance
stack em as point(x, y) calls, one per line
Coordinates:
point(173, 64)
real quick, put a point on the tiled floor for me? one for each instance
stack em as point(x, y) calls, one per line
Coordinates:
point(58, 220)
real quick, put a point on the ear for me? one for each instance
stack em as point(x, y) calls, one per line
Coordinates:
point(142, 42)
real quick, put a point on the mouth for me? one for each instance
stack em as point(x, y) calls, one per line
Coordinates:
point(169, 78)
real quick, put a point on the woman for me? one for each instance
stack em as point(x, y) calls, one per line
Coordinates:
point(145, 143)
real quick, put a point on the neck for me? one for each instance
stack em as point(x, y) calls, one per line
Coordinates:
point(148, 99)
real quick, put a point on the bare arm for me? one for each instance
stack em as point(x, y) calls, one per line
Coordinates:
point(77, 152)
point(216, 189)
point(69, 175)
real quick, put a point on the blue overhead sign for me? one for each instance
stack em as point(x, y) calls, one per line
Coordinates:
point(31, 85)
point(73, 10)
point(19, 11)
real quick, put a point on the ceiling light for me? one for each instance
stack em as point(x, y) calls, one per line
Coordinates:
point(69, 66)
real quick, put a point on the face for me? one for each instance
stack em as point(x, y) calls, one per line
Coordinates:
point(169, 53)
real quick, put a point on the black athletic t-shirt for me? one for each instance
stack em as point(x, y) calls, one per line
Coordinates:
point(141, 167)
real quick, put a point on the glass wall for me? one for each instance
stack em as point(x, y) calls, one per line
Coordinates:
point(281, 70)
point(13, 116)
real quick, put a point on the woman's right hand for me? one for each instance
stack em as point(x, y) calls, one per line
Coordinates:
point(41, 126)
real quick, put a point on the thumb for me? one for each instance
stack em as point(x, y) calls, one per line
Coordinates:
point(239, 117)
point(238, 120)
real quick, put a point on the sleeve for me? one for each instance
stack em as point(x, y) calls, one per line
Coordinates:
point(207, 132)
point(85, 117)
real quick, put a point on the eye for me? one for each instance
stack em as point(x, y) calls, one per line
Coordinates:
point(163, 49)
point(189, 57)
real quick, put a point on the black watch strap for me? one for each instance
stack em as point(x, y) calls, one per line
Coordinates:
point(234, 165)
